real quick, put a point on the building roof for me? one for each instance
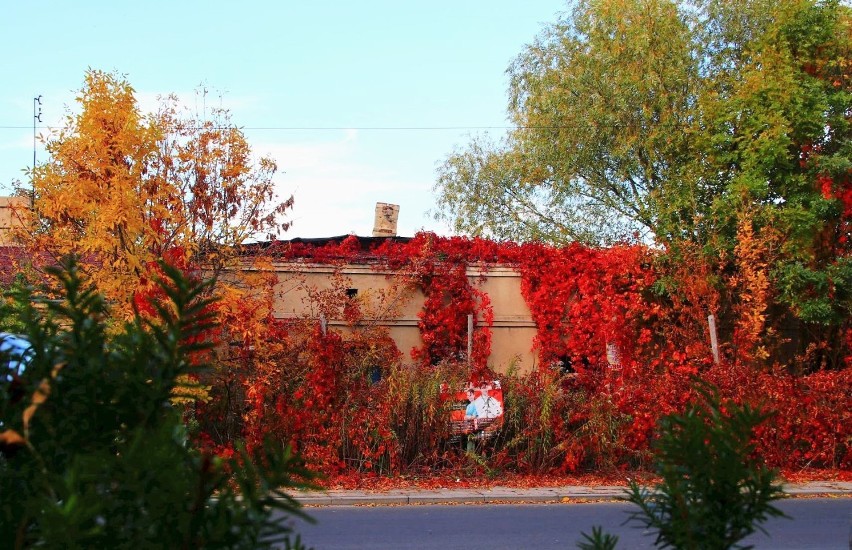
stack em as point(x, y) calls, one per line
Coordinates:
point(366, 243)
point(306, 248)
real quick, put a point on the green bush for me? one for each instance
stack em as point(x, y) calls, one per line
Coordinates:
point(94, 454)
point(714, 490)
point(12, 304)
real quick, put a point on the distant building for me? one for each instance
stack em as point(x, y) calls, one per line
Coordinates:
point(12, 213)
point(12, 256)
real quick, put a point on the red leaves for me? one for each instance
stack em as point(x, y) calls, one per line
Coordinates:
point(301, 385)
point(583, 299)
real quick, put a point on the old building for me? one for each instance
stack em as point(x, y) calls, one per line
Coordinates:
point(366, 279)
point(12, 210)
point(388, 295)
point(12, 255)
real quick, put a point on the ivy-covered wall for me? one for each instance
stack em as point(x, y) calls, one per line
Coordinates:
point(387, 298)
point(532, 305)
point(284, 376)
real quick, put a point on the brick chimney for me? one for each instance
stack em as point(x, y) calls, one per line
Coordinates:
point(386, 218)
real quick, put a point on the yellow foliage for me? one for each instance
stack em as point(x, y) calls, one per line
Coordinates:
point(123, 189)
point(187, 390)
point(753, 257)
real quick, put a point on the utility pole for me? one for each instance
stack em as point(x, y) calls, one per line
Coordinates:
point(36, 120)
point(469, 337)
point(714, 339)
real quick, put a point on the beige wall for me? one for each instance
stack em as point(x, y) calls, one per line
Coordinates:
point(11, 210)
point(513, 330)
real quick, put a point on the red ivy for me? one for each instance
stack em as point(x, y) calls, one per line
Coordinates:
point(583, 301)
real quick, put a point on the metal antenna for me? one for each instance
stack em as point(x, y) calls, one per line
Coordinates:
point(36, 119)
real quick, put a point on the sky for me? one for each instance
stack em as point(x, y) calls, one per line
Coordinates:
point(358, 102)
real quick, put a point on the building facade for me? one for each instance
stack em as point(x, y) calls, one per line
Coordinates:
point(12, 210)
point(388, 302)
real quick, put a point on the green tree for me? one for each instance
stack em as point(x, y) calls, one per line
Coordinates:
point(714, 491)
point(689, 124)
point(601, 102)
point(94, 455)
point(774, 143)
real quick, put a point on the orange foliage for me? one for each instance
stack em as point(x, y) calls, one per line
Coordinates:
point(122, 189)
point(752, 285)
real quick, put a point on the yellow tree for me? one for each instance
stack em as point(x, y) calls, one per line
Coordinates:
point(123, 188)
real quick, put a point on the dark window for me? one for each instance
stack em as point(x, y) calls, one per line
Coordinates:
point(566, 366)
point(375, 374)
point(351, 292)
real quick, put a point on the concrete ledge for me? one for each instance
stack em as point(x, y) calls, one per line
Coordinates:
point(510, 494)
point(313, 499)
point(355, 500)
point(444, 499)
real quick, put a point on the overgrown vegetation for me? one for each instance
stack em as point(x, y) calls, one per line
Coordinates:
point(290, 380)
point(93, 452)
point(718, 130)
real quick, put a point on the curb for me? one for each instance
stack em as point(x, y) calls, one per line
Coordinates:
point(508, 495)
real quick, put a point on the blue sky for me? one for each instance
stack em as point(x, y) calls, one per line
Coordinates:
point(345, 67)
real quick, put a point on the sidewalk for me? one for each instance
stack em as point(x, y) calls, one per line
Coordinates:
point(516, 495)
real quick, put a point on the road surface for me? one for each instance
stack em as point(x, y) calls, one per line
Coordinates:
point(817, 523)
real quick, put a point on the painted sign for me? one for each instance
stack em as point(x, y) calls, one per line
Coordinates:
point(477, 409)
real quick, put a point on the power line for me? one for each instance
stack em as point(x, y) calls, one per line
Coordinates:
point(373, 128)
point(311, 128)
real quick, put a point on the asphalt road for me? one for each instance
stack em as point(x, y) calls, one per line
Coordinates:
point(819, 524)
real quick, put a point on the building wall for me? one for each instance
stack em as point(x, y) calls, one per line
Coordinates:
point(513, 330)
point(11, 210)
